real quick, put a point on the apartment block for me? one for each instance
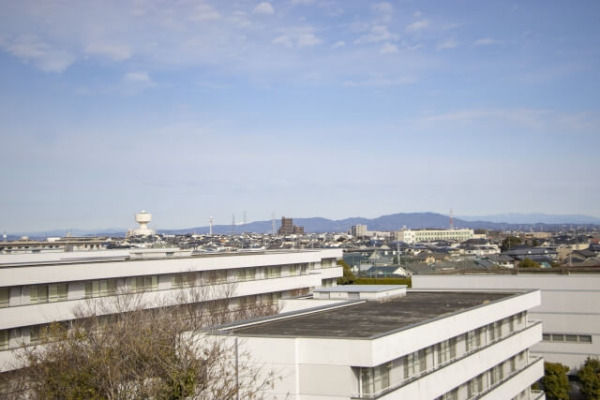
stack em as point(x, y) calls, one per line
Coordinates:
point(38, 289)
point(380, 342)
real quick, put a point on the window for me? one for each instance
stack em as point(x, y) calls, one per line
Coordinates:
point(366, 381)
point(38, 294)
point(585, 338)
point(246, 274)
point(558, 337)
point(381, 377)
point(4, 338)
point(100, 288)
point(185, 280)
point(423, 356)
point(452, 343)
point(4, 297)
point(58, 292)
point(144, 284)
point(273, 272)
point(496, 374)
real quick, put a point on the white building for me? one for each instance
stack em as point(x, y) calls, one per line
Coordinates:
point(376, 343)
point(569, 309)
point(432, 235)
point(38, 289)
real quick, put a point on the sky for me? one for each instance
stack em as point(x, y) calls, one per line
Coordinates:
point(300, 108)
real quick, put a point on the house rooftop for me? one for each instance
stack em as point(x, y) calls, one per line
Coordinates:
point(367, 320)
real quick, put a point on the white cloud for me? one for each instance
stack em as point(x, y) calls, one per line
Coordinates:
point(418, 25)
point(308, 39)
point(205, 12)
point(338, 44)
point(379, 81)
point(379, 33)
point(385, 7)
point(115, 52)
point(388, 48)
point(486, 42)
point(295, 2)
point(138, 77)
point(447, 44)
point(263, 8)
point(298, 40)
point(42, 55)
point(284, 40)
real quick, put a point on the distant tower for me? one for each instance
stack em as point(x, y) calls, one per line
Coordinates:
point(143, 218)
point(451, 221)
point(232, 223)
point(244, 219)
point(210, 222)
point(273, 224)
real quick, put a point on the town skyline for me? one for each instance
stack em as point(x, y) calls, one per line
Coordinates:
point(298, 108)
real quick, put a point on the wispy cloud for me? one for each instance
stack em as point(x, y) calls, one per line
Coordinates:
point(486, 42)
point(338, 44)
point(115, 52)
point(204, 12)
point(418, 25)
point(533, 120)
point(447, 44)
point(308, 40)
point(298, 40)
point(378, 33)
point(41, 54)
point(384, 7)
point(263, 8)
point(388, 48)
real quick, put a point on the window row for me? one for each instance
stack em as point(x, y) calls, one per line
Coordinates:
point(566, 337)
point(37, 294)
point(372, 381)
point(488, 379)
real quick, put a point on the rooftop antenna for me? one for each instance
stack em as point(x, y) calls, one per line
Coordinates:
point(451, 221)
point(210, 224)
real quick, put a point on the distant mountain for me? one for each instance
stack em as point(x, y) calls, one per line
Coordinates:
point(503, 222)
point(535, 218)
point(392, 222)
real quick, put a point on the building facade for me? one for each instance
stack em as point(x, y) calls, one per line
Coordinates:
point(38, 289)
point(432, 235)
point(372, 343)
point(568, 310)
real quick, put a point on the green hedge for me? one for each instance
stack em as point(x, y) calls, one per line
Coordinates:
point(384, 281)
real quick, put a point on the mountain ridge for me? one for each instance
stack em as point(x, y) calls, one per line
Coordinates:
point(390, 222)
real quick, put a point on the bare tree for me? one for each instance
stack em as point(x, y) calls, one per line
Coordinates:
point(119, 347)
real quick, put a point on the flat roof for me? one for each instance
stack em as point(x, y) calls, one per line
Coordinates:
point(364, 320)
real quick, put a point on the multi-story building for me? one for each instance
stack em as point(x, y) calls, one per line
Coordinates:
point(431, 235)
point(38, 289)
point(288, 228)
point(569, 308)
point(378, 342)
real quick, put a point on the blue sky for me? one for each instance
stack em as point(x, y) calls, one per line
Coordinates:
point(190, 109)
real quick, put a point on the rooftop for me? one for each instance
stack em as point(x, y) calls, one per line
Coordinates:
point(364, 320)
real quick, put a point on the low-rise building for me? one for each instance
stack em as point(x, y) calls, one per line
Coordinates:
point(378, 342)
point(38, 289)
point(569, 308)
